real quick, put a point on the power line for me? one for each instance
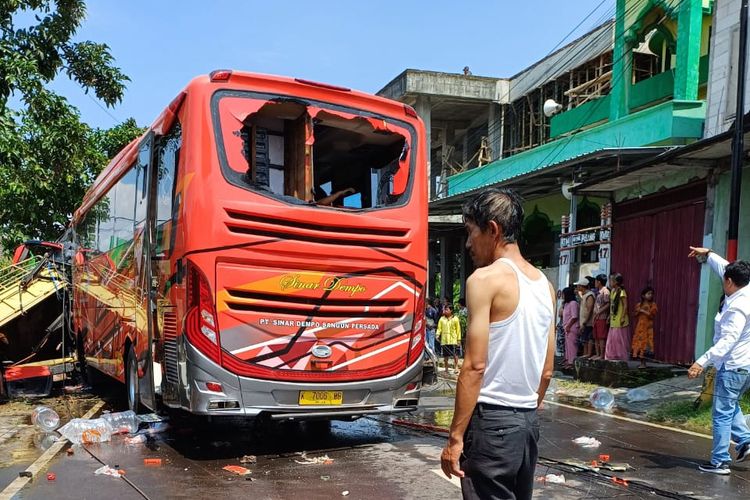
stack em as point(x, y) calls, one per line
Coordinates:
point(116, 120)
point(546, 76)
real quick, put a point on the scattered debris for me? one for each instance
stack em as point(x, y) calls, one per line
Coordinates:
point(345, 493)
point(69, 451)
point(237, 469)
point(43, 440)
point(25, 473)
point(592, 465)
point(620, 481)
point(106, 470)
point(74, 389)
point(602, 399)
point(638, 394)
point(138, 439)
point(123, 422)
point(151, 418)
point(323, 459)
point(156, 462)
point(249, 459)
point(554, 479)
point(86, 431)
point(51, 476)
point(616, 467)
point(45, 418)
point(325, 478)
point(587, 442)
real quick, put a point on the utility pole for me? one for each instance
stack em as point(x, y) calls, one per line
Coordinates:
point(738, 142)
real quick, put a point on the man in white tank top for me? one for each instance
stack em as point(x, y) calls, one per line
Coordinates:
point(509, 357)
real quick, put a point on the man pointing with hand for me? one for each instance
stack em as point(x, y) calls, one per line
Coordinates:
point(730, 355)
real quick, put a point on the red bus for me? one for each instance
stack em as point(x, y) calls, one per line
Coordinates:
point(260, 251)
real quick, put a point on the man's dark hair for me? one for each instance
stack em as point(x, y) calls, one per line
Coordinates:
point(504, 206)
point(739, 272)
point(602, 279)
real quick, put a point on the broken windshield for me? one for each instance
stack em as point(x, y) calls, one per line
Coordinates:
point(306, 153)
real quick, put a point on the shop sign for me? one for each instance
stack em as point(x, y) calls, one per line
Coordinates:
point(585, 237)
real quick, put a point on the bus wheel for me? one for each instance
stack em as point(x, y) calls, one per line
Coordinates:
point(132, 381)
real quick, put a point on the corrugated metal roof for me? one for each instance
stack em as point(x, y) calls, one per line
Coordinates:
point(591, 45)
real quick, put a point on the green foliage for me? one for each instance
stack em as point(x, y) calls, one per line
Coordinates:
point(685, 415)
point(48, 157)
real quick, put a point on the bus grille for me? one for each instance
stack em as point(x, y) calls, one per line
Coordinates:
point(320, 307)
point(272, 227)
point(169, 331)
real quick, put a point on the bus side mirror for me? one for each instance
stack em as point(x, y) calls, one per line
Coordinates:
point(400, 178)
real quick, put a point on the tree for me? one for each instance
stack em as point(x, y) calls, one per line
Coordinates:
point(48, 156)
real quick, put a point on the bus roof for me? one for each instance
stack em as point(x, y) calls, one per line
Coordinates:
point(237, 80)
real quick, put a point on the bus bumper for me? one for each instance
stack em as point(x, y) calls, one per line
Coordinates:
point(243, 396)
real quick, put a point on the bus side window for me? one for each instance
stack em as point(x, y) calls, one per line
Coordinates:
point(168, 155)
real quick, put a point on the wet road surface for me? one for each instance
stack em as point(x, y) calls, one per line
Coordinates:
point(373, 458)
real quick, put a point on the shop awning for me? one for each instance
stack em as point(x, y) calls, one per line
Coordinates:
point(706, 154)
point(595, 166)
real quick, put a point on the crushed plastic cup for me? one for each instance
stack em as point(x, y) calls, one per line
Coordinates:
point(638, 394)
point(87, 431)
point(602, 399)
point(45, 418)
point(106, 470)
point(554, 478)
point(587, 442)
point(124, 422)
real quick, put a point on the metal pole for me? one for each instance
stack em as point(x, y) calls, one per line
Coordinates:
point(738, 142)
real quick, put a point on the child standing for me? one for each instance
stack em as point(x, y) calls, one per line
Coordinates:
point(449, 335)
point(643, 339)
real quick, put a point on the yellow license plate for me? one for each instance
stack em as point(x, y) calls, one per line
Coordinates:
point(321, 397)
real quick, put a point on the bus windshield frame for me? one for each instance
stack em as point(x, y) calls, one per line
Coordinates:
point(405, 158)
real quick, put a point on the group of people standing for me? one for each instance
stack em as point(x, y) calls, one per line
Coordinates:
point(446, 329)
point(597, 319)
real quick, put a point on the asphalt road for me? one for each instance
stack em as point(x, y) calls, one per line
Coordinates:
point(381, 458)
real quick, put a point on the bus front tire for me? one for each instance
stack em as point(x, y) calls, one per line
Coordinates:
point(131, 385)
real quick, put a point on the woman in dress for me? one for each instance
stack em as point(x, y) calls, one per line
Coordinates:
point(643, 338)
point(618, 338)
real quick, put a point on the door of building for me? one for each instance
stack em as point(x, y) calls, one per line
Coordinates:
point(650, 241)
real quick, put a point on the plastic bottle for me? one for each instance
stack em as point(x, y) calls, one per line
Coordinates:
point(122, 422)
point(43, 440)
point(552, 390)
point(87, 431)
point(602, 399)
point(45, 418)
